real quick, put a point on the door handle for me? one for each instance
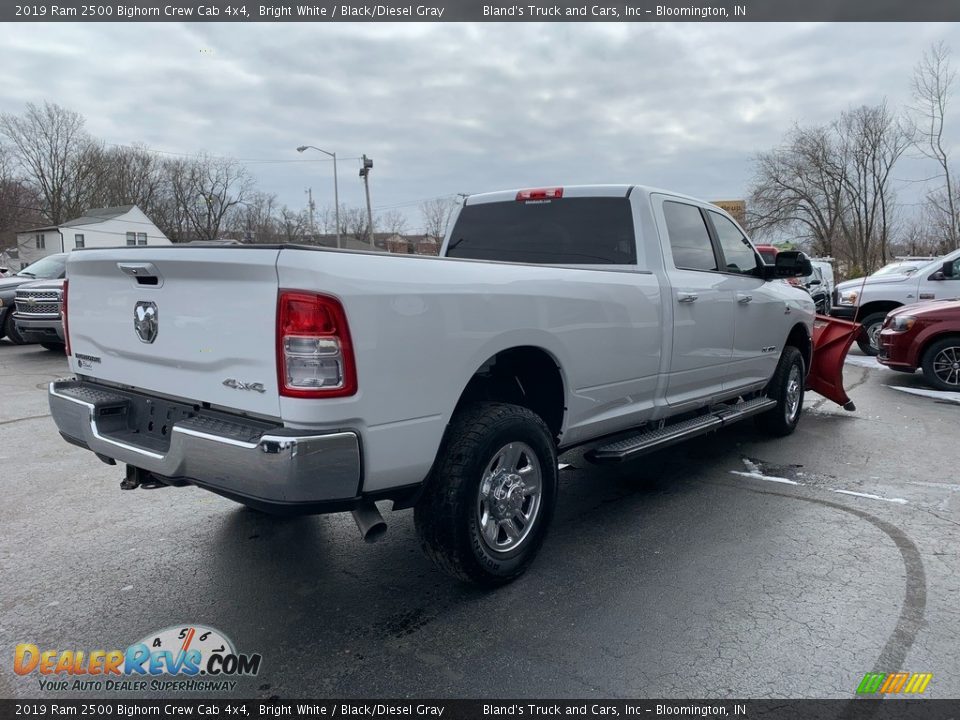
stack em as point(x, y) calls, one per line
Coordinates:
point(744, 298)
point(686, 297)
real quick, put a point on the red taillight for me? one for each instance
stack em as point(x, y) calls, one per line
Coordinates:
point(63, 315)
point(314, 353)
point(540, 194)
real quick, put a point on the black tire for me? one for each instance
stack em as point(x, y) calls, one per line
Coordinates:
point(10, 329)
point(782, 420)
point(941, 364)
point(53, 347)
point(450, 517)
point(871, 326)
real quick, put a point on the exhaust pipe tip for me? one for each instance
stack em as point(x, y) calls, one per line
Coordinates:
point(369, 521)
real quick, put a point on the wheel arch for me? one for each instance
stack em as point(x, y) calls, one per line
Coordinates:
point(527, 375)
point(877, 306)
point(799, 337)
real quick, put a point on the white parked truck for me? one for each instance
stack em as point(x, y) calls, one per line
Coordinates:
point(868, 300)
point(616, 318)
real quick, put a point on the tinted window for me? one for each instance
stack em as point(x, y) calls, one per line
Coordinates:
point(594, 231)
point(737, 253)
point(689, 239)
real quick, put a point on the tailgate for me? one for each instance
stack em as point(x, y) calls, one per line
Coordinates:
point(196, 323)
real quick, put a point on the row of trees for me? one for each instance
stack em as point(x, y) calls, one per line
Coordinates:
point(52, 170)
point(832, 188)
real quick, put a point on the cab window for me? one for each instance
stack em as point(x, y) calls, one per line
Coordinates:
point(738, 255)
point(689, 238)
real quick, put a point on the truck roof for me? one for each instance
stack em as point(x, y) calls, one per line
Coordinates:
point(620, 190)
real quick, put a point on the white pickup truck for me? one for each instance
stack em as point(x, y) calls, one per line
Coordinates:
point(868, 300)
point(299, 379)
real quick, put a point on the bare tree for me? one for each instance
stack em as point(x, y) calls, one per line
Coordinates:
point(292, 224)
point(933, 80)
point(797, 188)
point(831, 186)
point(436, 215)
point(206, 189)
point(57, 154)
point(20, 205)
point(393, 222)
point(254, 221)
point(872, 140)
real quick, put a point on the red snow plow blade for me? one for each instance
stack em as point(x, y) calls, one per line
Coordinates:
point(832, 339)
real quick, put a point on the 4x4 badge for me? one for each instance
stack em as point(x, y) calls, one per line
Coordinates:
point(145, 321)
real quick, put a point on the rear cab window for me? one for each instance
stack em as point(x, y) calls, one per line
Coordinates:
point(555, 231)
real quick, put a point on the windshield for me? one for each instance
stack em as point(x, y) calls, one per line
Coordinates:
point(48, 268)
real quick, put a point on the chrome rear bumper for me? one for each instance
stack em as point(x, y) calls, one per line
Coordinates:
point(255, 461)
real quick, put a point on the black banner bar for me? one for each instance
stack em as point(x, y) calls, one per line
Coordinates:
point(481, 11)
point(857, 709)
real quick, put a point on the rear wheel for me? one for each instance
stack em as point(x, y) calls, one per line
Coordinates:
point(941, 364)
point(786, 387)
point(869, 339)
point(486, 507)
point(10, 330)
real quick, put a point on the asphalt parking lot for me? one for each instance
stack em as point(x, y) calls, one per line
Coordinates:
point(701, 571)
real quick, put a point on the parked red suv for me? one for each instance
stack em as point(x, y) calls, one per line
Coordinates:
point(924, 336)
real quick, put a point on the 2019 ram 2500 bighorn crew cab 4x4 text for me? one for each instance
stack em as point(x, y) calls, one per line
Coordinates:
point(618, 317)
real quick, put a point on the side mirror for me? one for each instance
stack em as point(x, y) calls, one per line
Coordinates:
point(947, 269)
point(788, 264)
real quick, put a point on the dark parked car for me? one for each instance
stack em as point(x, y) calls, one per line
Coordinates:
point(38, 313)
point(48, 268)
point(925, 336)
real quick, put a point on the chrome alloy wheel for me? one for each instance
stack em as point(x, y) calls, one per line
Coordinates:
point(794, 390)
point(509, 497)
point(946, 366)
point(873, 335)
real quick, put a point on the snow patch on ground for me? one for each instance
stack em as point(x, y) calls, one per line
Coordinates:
point(936, 394)
point(899, 501)
point(761, 476)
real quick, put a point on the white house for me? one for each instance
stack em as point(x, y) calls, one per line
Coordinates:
point(100, 227)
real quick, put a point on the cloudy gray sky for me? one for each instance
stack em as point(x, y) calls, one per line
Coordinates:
point(448, 108)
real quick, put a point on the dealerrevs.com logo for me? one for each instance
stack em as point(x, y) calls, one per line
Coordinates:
point(190, 658)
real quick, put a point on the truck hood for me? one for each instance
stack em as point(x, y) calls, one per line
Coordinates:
point(10, 284)
point(882, 280)
point(43, 285)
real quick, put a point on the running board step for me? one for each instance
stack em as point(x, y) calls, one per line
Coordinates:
point(645, 442)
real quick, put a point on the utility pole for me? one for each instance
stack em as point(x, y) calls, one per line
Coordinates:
point(365, 174)
point(310, 207)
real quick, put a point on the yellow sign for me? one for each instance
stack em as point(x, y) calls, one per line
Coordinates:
point(736, 208)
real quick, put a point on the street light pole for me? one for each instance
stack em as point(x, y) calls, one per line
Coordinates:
point(336, 193)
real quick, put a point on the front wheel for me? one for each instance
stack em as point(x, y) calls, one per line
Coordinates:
point(869, 339)
point(10, 329)
point(786, 387)
point(941, 364)
point(486, 507)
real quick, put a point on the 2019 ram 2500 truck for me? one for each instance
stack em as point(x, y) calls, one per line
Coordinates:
point(296, 379)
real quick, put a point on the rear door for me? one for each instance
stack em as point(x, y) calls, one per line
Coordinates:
point(194, 323)
point(703, 317)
